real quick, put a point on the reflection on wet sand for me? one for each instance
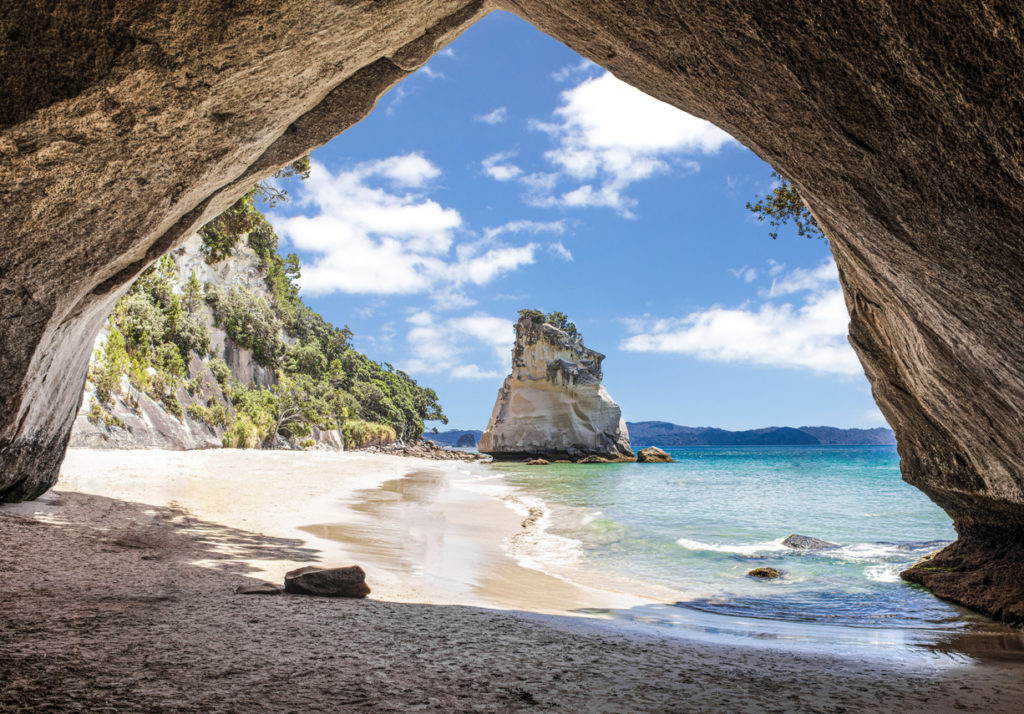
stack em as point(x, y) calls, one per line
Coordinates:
point(427, 526)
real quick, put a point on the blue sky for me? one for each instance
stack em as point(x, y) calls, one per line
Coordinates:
point(510, 173)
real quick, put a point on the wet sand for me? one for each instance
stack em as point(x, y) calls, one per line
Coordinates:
point(118, 590)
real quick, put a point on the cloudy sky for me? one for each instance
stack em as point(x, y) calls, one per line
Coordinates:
point(511, 173)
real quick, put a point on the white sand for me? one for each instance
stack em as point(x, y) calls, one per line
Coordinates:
point(118, 587)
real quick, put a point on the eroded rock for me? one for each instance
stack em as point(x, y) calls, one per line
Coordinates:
point(333, 582)
point(553, 405)
point(653, 455)
point(802, 542)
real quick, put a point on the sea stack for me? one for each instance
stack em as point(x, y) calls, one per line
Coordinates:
point(553, 405)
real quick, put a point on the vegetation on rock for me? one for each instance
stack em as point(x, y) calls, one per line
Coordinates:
point(320, 380)
point(782, 205)
point(555, 319)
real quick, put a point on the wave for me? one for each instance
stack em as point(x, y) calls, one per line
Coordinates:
point(772, 546)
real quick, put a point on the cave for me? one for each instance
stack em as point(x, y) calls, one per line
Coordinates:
point(127, 125)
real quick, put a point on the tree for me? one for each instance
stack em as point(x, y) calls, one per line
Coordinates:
point(782, 205)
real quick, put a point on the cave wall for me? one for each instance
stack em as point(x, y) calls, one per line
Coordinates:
point(126, 125)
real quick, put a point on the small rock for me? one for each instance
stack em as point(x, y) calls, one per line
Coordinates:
point(538, 462)
point(593, 460)
point(258, 589)
point(333, 582)
point(800, 542)
point(653, 455)
point(766, 573)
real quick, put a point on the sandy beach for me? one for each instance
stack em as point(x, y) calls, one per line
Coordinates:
point(119, 587)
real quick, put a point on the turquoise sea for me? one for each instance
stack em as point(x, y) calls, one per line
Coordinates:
point(689, 532)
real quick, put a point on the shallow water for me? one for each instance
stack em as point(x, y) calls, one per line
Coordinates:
point(692, 530)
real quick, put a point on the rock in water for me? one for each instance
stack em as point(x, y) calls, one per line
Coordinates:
point(765, 573)
point(553, 405)
point(800, 542)
point(334, 582)
point(653, 455)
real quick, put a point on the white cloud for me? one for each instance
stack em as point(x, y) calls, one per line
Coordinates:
point(524, 226)
point(608, 136)
point(495, 116)
point(374, 230)
point(429, 73)
point(573, 70)
point(800, 280)
point(810, 334)
point(560, 250)
point(747, 275)
point(497, 166)
point(442, 346)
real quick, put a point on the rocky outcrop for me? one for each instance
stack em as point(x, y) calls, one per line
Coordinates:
point(126, 125)
point(134, 420)
point(802, 542)
point(653, 455)
point(333, 582)
point(553, 405)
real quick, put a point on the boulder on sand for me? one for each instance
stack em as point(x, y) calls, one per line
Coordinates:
point(333, 582)
point(800, 542)
point(653, 455)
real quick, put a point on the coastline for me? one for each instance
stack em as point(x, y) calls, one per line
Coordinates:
point(142, 613)
point(423, 530)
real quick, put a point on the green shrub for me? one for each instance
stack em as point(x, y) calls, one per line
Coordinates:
point(250, 322)
point(213, 415)
point(241, 434)
point(359, 434)
point(173, 405)
point(99, 414)
point(221, 372)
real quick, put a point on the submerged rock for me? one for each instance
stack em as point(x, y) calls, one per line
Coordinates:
point(553, 405)
point(653, 455)
point(801, 542)
point(333, 582)
point(765, 573)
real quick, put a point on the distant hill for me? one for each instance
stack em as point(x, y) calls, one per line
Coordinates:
point(663, 433)
point(455, 437)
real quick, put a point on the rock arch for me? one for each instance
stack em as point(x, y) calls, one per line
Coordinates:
point(127, 124)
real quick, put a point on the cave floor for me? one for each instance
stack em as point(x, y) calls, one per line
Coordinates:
point(117, 606)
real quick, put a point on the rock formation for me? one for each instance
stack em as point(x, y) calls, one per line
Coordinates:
point(128, 124)
point(553, 405)
point(332, 582)
point(142, 422)
point(653, 455)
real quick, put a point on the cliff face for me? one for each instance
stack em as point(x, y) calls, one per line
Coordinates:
point(133, 419)
point(553, 404)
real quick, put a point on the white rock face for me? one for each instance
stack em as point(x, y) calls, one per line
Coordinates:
point(553, 405)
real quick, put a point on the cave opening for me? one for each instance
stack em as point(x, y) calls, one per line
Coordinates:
point(480, 186)
point(171, 125)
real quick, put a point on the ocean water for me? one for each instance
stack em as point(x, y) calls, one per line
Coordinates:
point(688, 533)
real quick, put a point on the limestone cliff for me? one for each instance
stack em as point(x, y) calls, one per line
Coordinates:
point(135, 419)
point(553, 403)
